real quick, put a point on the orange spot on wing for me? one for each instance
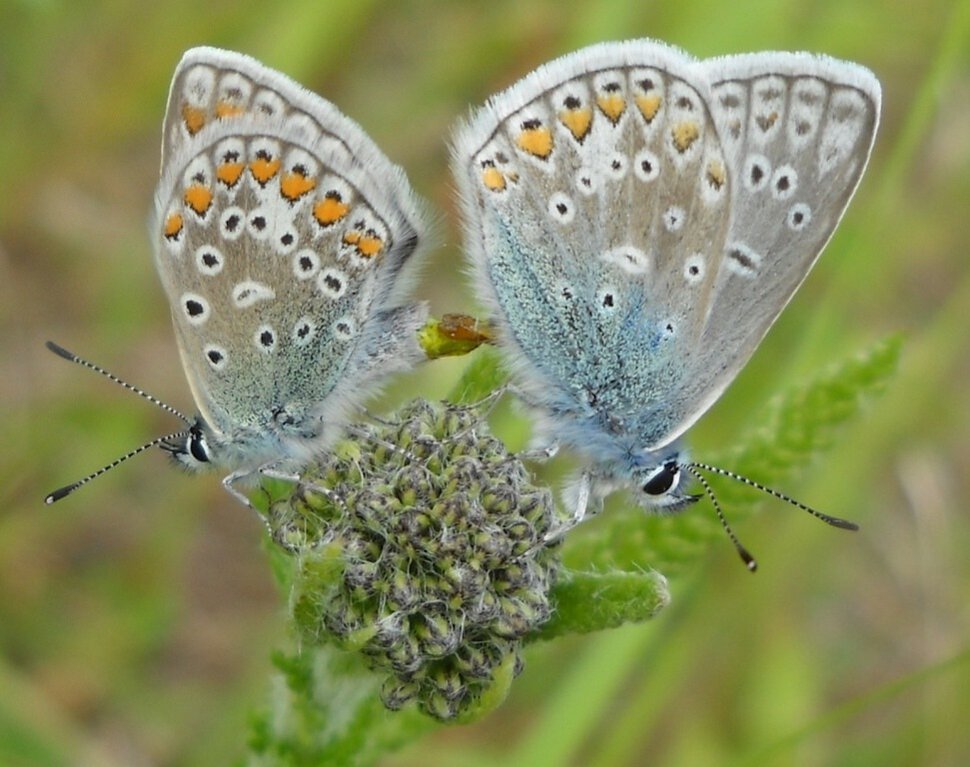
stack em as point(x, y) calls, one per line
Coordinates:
point(493, 178)
point(536, 140)
point(684, 134)
point(577, 121)
point(649, 105)
point(613, 105)
point(765, 122)
point(330, 209)
point(198, 197)
point(229, 172)
point(370, 245)
point(263, 168)
point(294, 185)
point(173, 226)
point(228, 109)
point(367, 244)
point(716, 174)
point(193, 117)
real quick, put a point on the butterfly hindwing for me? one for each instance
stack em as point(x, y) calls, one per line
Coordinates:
point(593, 190)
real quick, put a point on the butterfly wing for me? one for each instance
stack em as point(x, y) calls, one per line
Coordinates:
point(592, 192)
point(280, 231)
point(614, 233)
point(797, 130)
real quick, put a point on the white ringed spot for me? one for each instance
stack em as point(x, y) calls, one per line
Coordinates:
point(666, 329)
point(630, 259)
point(694, 267)
point(332, 282)
point(615, 166)
point(742, 260)
point(646, 165)
point(195, 307)
point(784, 182)
point(232, 223)
point(248, 292)
point(258, 223)
point(216, 356)
point(344, 329)
point(306, 264)
point(799, 216)
point(606, 300)
point(674, 218)
point(304, 331)
point(209, 260)
point(265, 338)
point(561, 208)
point(756, 172)
point(286, 241)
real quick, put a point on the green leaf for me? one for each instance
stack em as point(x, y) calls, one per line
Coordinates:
point(595, 601)
point(325, 709)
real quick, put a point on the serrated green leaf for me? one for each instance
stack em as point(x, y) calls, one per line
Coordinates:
point(595, 601)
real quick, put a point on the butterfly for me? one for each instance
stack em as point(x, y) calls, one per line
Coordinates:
point(281, 234)
point(635, 221)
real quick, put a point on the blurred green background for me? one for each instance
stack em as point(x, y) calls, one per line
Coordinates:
point(137, 617)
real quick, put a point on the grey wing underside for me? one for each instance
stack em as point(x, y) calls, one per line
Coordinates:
point(593, 191)
point(637, 303)
point(213, 87)
point(797, 131)
point(314, 255)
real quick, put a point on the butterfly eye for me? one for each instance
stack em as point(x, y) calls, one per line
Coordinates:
point(197, 444)
point(663, 480)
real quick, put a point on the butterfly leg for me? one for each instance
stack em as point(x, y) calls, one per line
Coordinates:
point(229, 483)
point(475, 414)
point(578, 498)
point(376, 418)
point(487, 403)
point(362, 434)
point(540, 452)
point(270, 471)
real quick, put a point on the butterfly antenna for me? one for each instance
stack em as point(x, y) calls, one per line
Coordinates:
point(842, 524)
point(60, 351)
point(749, 561)
point(63, 492)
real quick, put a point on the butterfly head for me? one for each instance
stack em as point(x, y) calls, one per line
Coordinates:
point(193, 448)
point(660, 486)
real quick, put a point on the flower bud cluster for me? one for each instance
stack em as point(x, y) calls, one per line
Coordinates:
point(421, 544)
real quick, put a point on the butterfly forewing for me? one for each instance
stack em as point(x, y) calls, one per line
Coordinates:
point(797, 131)
point(278, 247)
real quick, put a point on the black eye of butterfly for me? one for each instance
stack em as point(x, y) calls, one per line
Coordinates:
point(197, 445)
point(663, 480)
